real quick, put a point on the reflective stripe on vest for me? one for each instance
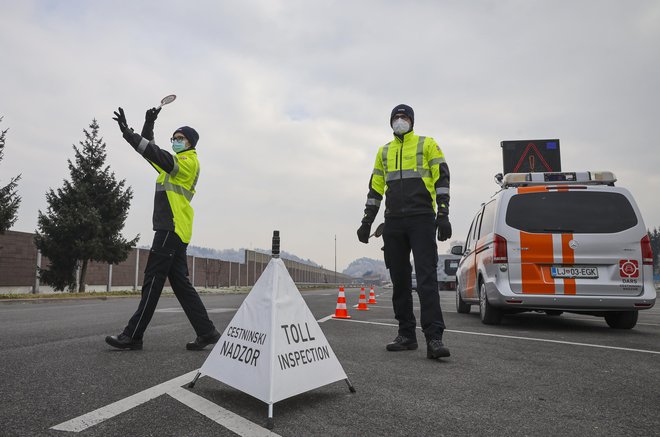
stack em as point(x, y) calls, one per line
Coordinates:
point(169, 186)
point(402, 174)
point(424, 172)
point(419, 172)
point(142, 146)
point(436, 161)
point(175, 169)
point(386, 148)
point(194, 184)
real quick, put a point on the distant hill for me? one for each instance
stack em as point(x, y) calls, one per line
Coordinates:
point(238, 255)
point(371, 269)
point(367, 268)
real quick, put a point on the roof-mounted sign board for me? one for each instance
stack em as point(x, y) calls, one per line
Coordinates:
point(522, 156)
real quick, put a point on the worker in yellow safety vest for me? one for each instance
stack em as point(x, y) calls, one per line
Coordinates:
point(412, 173)
point(172, 223)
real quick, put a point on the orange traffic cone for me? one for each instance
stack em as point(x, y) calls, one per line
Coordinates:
point(372, 296)
point(341, 312)
point(362, 304)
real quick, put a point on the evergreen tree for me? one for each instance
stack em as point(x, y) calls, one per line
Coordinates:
point(9, 199)
point(84, 217)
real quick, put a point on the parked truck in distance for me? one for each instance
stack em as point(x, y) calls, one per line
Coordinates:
point(447, 266)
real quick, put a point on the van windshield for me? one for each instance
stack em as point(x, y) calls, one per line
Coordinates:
point(579, 212)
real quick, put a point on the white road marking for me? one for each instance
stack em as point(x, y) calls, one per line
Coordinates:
point(208, 310)
point(226, 418)
point(229, 420)
point(97, 416)
point(601, 346)
point(515, 337)
point(373, 305)
point(600, 319)
point(569, 315)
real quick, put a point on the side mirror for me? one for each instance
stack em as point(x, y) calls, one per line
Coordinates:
point(457, 250)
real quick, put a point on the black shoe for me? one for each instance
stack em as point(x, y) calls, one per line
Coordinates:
point(402, 343)
point(203, 340)
point(435, 349)
point(123, 341)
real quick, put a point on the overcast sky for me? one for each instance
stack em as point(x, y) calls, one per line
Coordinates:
point(292, 100)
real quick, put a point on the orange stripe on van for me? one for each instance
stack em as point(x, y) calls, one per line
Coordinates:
point(523, 190)
point(536, 257)
point(568, 257)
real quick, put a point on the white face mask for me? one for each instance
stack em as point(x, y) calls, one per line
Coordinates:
point(400, 126)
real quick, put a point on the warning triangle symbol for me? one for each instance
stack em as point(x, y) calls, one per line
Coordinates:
point(273, 348)
point(531, 160)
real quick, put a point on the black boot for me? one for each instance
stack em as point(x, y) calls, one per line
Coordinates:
point(435, 349)
point(402, 343)
point(123, 341)
point(203, 340)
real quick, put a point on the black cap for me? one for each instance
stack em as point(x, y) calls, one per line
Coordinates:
point(191, 134)
point(405, 110)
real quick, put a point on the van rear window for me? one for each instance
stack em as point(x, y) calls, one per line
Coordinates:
point(451, 266)
point(579, 212)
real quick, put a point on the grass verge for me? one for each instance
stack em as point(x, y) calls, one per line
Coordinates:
point(66, 295)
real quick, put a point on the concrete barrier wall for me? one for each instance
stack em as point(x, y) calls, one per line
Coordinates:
point(19, 260)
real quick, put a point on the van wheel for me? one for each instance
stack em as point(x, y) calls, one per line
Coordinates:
point(489, 314)
point(461, 306)
point(622, 319)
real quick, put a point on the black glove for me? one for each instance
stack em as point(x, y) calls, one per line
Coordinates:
point(444, 227)
point(120, 118)
point(364, 232)
point(152, 114)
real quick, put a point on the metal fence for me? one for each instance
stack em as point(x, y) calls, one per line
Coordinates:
point(20, 261)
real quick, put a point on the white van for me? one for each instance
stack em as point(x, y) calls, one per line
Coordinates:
point(556, 242)
point(447, 267)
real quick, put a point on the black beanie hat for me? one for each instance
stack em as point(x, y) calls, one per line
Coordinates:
point(191, 134)
point(405, 110)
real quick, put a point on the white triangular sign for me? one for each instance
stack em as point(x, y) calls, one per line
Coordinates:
point(273, 348)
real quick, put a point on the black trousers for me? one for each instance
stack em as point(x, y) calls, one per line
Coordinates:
point(417, 234)
point(167, 260)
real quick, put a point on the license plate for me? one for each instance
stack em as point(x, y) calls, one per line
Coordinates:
point(574, 272)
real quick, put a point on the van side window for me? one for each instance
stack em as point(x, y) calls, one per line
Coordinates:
point(488, 219)
point(472, 236)
point(468, 240)
point(477, 223)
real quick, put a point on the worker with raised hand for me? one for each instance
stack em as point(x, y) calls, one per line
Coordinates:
point(178, 174)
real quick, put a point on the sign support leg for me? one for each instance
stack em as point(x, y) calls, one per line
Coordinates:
point(269, 423)
point(192, 383)
point(350, 386)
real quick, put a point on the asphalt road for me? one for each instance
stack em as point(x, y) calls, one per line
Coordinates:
point(533, 375)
